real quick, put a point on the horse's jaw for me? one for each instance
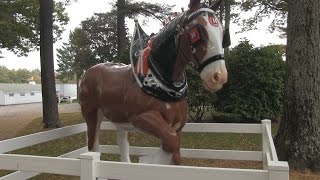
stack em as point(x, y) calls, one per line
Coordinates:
point(214, 75)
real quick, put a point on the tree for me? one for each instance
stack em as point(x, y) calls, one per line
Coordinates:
point(255, 84)
point(95, 42)
point(75, 57)
point(100, 30)
point(298, 137)
point(36, 76)
point(5, 75)
point(23, 76)
point(65, 59)
point(20, 24)
point(121, 30)
point(84, 58)
point(263, 9)
point(227, 7)
point(49, 99)
point(107, 33)
point(18, 76)
point(133, 9)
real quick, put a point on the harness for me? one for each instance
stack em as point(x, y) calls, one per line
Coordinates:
point(197, 34)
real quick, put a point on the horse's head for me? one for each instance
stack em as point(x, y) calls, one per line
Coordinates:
point(201, 31)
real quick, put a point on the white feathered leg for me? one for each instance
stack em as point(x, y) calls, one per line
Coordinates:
point(159, 157)
point(123, 143)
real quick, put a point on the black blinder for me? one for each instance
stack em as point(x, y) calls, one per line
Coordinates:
point(226, 42)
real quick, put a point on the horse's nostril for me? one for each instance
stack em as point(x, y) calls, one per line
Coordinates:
point(216, 77)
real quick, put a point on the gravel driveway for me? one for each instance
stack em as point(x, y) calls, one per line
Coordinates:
point(15, 117)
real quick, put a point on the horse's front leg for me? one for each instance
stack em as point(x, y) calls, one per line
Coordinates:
point(123, 143)
point(153, 123)
point(177, 156)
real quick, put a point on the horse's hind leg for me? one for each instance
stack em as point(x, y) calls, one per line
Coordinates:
point(93, 120)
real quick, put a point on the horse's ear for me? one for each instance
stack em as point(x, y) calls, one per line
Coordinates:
point(215, 5)
point(194, 4)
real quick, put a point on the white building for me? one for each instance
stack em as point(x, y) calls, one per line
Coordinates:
point(19, 93)
point(67, 90)
point(31, 93)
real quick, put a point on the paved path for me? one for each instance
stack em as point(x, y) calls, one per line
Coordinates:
point(15, 117)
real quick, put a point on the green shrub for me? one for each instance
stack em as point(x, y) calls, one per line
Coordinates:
point(255, 84)
point(225, 118)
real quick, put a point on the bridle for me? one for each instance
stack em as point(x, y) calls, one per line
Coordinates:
point(197, 37)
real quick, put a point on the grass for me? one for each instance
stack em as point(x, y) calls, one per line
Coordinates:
point(249, 142)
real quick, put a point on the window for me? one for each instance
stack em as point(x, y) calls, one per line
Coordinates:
point(22, 94)
point(11, 94)
point(32, 94)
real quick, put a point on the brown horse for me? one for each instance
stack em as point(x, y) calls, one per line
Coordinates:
point(156, 104)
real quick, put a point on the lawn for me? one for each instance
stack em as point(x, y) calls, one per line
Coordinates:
point(250, 142)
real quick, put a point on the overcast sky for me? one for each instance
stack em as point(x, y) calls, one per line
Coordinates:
point(85, 8)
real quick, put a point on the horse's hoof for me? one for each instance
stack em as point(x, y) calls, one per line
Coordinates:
point(146, 160)
point(159, 157)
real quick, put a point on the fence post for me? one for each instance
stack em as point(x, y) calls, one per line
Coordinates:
point(278, 170)
point(265, 146)
point(88, 165)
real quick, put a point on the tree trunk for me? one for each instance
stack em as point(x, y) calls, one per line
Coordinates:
point(49, 99)
point(298, 138)
point(227, 20)
point(221, 12)
point(121, 30)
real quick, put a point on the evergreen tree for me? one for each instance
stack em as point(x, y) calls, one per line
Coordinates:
point(20, 24)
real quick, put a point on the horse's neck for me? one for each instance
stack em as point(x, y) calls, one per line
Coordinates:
point(165, 53)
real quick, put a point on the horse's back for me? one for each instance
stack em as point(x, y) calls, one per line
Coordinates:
point(102, 78)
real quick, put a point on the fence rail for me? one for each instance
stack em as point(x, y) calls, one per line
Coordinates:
point(88, 165)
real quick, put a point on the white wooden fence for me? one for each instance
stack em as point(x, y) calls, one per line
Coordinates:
point(88, 165)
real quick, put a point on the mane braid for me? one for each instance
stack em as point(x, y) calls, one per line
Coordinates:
point(164, 50)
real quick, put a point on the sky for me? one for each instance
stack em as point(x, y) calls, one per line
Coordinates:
point(83, 9)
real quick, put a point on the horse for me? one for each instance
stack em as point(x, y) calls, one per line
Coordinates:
point(154, 100)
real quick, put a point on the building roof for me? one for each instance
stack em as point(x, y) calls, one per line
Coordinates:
point(9, 87)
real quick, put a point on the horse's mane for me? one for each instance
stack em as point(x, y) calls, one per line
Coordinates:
point(165, 34)
point(164, 50)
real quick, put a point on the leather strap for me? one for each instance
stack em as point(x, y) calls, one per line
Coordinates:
point(210, 60)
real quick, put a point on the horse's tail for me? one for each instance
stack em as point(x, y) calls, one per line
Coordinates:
point(89, 108)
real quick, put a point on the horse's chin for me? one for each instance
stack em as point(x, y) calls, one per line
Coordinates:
point(214, 88)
